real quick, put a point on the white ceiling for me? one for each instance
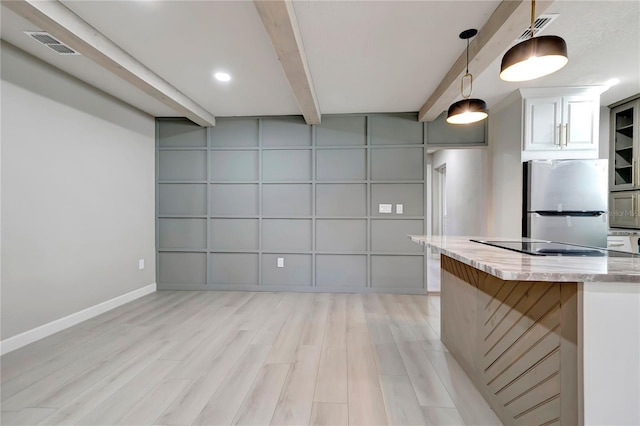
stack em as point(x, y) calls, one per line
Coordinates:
point(364, 56)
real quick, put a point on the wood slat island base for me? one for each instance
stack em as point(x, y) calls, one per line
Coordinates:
point(517, 341)
point(545, 339)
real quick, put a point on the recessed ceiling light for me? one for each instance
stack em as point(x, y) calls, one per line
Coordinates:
point(222, 76)
point(612, 82)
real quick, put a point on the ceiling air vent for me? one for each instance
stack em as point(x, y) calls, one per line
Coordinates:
point(542, 22)
point(51, 42)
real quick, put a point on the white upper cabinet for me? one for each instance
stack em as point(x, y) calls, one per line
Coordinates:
point(561, 123)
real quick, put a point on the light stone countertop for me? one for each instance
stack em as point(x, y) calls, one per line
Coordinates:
point(510, 265)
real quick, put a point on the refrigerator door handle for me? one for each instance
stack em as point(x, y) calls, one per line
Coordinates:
point(554, 213)
point(566, 135)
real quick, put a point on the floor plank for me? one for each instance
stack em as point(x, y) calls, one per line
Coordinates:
point(329, 414)
point(27, 417)
point(400, 401)
point(186, 408)
point(366, 406)
point(224, 404)
point(331, 384)
point(260, 403)
point(296, 400)
point(439, 416)
point(152, 405)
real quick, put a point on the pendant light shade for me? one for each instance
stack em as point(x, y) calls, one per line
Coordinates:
point(467, 110)
point(535, 57)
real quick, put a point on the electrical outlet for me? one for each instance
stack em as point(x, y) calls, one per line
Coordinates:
point(399, 209)
point(280, 263)
point(140, 263)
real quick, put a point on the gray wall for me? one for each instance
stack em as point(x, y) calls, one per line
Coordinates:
point(77, 195)
point(234, 198)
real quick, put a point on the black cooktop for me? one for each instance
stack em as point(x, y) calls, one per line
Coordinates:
point(550, 248)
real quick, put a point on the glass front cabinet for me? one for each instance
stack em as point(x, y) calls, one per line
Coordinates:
point(625, 147)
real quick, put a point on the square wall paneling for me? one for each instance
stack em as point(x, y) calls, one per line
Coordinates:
point(346, 130)
point(397, 164)
point(396, 129)
point(233, 199)
point(284, 199)
point(285, 131)
point(390, 272)
point(181, 134)
point(182, 199)
point(234, 234)
point(182, 165)
point(410, 195)
point(176, 233)
point(341, 164)
point(391, 235)
point(234, 165)
point(349, 235)
point(179, 269)
point(296, 270)
point(235, 132)
point(286, 165)
point(233, 269)
point(341, 199)
point(345, 271)
point(286, 234)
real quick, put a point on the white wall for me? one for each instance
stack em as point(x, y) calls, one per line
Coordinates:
point(77, 195)
point(468, 189)
point(505, 135)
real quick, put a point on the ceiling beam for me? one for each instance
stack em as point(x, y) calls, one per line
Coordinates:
point(505, 25)
point(279, 19)
point(54, 18)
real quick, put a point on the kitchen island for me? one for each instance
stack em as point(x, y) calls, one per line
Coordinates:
point(546, 339)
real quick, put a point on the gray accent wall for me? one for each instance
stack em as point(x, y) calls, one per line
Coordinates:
point(78, 195)
point(234, 198)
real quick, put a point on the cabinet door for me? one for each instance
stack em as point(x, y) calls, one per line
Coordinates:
point(623, 155)
point(580, 122)
point(623, 212)
point(542, 129)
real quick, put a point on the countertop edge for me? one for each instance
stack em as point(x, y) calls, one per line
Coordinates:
point(497, 271)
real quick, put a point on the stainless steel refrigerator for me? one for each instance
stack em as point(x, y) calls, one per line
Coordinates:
point(566, 201)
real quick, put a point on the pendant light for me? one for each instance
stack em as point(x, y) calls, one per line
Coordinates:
point(535, 57)
point(467, 110)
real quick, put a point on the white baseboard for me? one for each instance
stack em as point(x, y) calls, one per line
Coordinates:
point(30, 336)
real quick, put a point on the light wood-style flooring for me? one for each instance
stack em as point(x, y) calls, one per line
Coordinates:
point(210, 358)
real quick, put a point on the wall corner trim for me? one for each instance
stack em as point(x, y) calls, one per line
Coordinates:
point(30, 336)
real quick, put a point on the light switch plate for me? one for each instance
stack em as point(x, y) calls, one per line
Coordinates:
point(280, 262)
point(399, 209)
point(140, 263)
point(385, 208)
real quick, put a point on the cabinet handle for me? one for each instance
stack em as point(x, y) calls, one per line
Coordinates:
point(566, 135)
point(559, 136)
point(633, 205)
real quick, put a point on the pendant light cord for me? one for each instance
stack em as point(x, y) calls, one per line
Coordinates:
point(533, 15)
point(467, 56)
point(467, 75)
